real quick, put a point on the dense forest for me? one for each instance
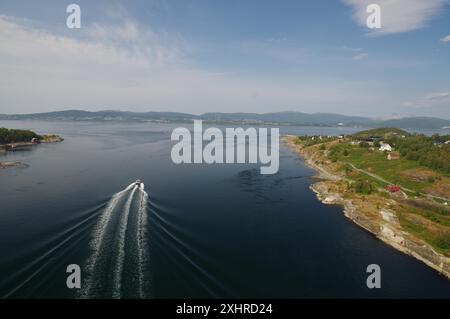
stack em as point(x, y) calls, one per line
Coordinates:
point(13, 136)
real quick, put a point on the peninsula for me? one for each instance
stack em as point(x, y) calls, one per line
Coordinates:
point(13, 139)
point(394, 184)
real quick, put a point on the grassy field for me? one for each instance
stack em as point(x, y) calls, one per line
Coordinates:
point(432, 227)
point(396, 172)
point(430, 223)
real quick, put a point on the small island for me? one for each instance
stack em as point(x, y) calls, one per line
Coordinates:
point(14, 139)
point(394, 184)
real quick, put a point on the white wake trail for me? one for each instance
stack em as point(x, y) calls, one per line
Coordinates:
point(100, 229)
point(141, 237)
point(98, 237)
point(117, 283)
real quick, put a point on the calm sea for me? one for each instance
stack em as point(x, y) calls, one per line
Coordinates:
point(194, 231)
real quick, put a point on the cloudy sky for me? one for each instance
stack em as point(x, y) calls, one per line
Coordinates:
point(227, 55)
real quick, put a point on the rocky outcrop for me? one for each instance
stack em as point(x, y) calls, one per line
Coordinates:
point(12, 164)
point(51, 139)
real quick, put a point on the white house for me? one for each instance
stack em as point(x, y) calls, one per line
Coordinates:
point(385, 147)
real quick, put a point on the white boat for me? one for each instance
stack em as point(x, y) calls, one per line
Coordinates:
point(139, 183)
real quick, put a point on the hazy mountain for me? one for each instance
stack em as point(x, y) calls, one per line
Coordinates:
point(79, 115)
point(290, 117)
point(416, 122)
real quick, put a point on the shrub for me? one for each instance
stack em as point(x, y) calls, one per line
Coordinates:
point(364, 144)
point(363, 187)
point(443, 241)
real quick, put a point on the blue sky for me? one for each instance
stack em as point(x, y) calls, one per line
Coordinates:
point(227, 56)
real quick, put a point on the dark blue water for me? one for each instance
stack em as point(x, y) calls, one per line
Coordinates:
point(203, 231)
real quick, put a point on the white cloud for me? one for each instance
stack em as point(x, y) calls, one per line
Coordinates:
point(349, 49)
point(446, 39)
point(361, 56)
point(278, 49)
point(37, 46)
point(437, 96)
point(434, 99)
point(397, 15)
point(127, 66)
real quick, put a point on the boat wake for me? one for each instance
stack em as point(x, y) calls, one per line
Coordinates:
point(111, 239)
point(118, 264)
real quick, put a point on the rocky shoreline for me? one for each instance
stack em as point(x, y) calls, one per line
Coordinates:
point(11, 147)
point(382, 222)
point(46, 140)
point(12, 164)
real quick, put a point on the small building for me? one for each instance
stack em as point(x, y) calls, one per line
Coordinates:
point(34, 140)
point(385, 147)
point(393, 156)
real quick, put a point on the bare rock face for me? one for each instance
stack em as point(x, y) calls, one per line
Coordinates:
point(51, 139)
point(12, 164)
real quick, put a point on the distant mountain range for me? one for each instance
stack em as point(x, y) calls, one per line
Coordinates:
point(288, 118)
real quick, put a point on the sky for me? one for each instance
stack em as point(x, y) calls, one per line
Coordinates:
point(199, 56)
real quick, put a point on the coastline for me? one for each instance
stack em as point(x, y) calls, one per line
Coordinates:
point(12, 165)
point(11, 147)
point(382, 222)
point(46, 140)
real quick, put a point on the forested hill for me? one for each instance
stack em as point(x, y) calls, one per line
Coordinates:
point(12, 136)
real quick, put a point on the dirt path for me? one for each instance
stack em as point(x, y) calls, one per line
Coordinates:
point(387, 182)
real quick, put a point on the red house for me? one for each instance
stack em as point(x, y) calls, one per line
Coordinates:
point(393, 188)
